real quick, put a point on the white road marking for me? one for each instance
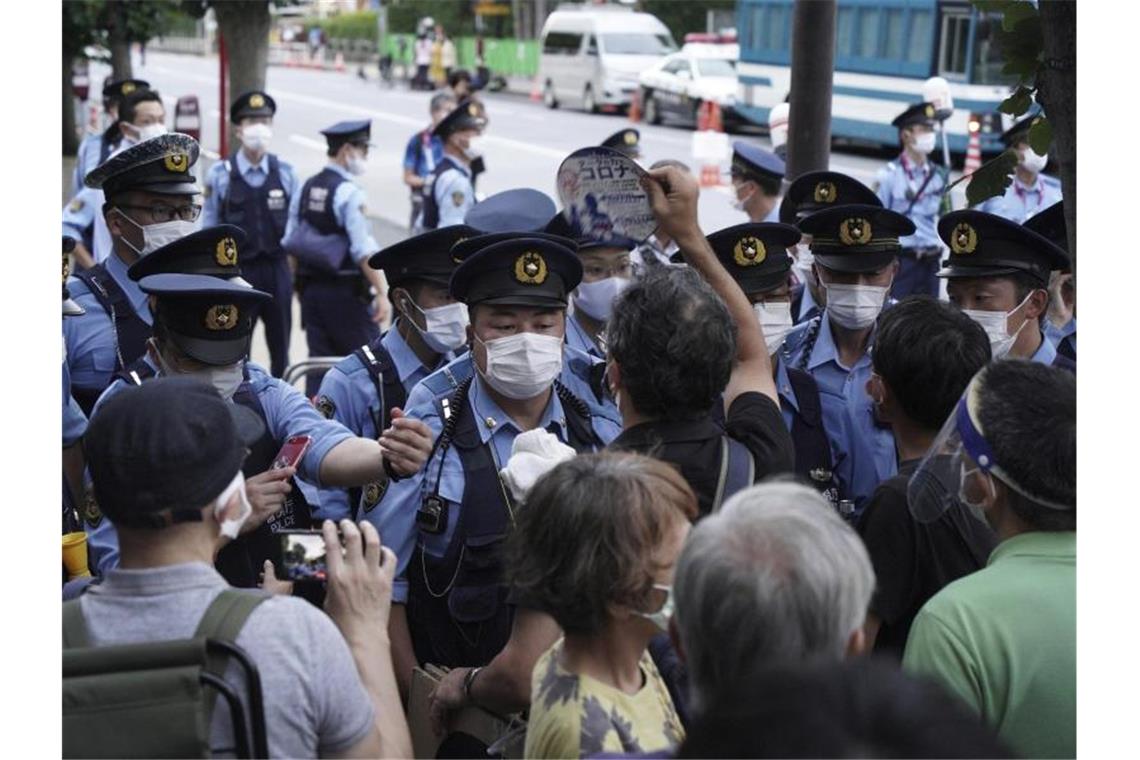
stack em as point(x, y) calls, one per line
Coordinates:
point(309, 142)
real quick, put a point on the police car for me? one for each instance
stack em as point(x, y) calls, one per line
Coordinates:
point(704, 70)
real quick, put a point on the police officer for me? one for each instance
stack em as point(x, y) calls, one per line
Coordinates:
point(95, 149)
point(332, 240)
point(203, 329)
point(521, 209)
point(1031, 192)
point(252, 189)
point(150, 202)
point(625, 141)
point(141, 117)
point(361, 391)
point(998, 274)
point(447, 522)
point(756, 178)
point(448, 191)
point(423, 151)
point(855, 248)
point(916, 188)
point(74, 421)
point(1061, 318)
point(811, 192)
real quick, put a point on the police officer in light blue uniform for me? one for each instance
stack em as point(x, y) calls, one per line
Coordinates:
point(252, 189)
point(1050, 224)
point(150, 202)
point(521, 209)
point(757, 175)
point(916, 188)
point(361, 391)
point(1031, 192)
point(332, 240)
point(95, 149)
point(447, 523)
point(855, 248)
point(449, 192)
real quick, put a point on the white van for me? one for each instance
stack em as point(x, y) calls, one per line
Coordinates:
point(593, 55)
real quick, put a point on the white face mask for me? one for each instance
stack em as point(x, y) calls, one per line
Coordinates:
point(446, 326)
point(775, 321)
point(996, 325)
point(147, 132)
point(474, 148)
point(804, 258)
point(596, 299)
point(523, 365)
point(357, 164)
point(855, 307)
point(225, 380)
point(1033, 162)
point(231, 528)
point(256, 137)
point(157, 235)
point(924, 143)
point(738, 202)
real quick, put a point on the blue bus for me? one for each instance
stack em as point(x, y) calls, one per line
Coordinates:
point(884, 51)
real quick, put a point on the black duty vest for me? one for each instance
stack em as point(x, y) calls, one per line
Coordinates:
point(809, 438)
point(131, 332)
point(316, 208)
point(261, 212)
point(431, 206)
point(457, 605)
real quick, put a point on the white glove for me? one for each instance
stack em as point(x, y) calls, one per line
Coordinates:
point(533, 454)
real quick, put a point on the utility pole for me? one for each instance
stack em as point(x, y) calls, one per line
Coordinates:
point(813, 66)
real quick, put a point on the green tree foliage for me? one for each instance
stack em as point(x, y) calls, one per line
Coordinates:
point(684, 17)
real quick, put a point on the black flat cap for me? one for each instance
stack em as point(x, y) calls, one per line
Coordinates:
point(1050, 224)
point(523, 271)
point(214, 251)
point(252, 103)
point(756, 254)
point(987, 245)
point(1020, 130)
point(918, 113)
point(209, 319)
point(856, 237)
point(116, 89)
point(626, 141)
point(752, 160)
point(169, 444)
point(357, 132)
point(423, 257)
point(159, 165)
point(464, 249)
point(558, 225)
point(815, 191)
point(522, 209)
point(463, 116)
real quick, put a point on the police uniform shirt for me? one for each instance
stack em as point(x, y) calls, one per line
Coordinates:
point(79, 216)
point(1021, 201)
point(91, 338)
point(101, 244)
point(348, 208)
point(287, 413)
point(1058, 334)
point(86, 159)
point(454, 194)
point(897, 183)
point(773, 215)
point(74, 420)
point(808, 307)
point(578, 338)
point(350, 395)
point(218, 183)
point(1046, 353)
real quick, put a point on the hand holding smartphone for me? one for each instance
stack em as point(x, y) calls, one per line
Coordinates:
point(292, 452)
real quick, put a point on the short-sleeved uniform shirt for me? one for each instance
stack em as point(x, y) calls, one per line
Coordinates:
point(913, 561)
point(349, 206)
point(574, 715)
point(694, 445)
point(1004, 640)
point(1021, 201)
point(315, 704)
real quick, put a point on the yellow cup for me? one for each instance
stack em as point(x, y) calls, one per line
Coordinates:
point(75, 555)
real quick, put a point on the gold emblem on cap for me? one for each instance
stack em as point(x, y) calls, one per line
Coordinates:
point(226, 252)
point(855, 231)
point(177, 162)
point(964, 239)
point(222, 317)
point(824, 192)
point(127, 88)
point(530, 269)
point(630, 138)
point(749, 252)
point(256, 101)
point(929, 111)
point(472, 109)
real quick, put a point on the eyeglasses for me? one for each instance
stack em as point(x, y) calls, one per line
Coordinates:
point(160, 212)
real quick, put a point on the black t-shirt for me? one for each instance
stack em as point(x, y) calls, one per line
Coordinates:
point(694, 445)
point(913, 561)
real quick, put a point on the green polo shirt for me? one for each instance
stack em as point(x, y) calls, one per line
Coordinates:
point(1004, 639)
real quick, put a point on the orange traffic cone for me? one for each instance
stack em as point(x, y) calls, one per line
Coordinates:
point(702, 117)
point(973, 154)
point(339, 63)
point(635, 108)
point(536, 91)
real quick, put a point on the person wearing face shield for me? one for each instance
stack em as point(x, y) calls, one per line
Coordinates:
point(251, 189)
point(998, 273)
point(756, 178)
point(1031, 192)
point(917, 188)
point(141, 116)
point(167, 462)
point(365, 390)
point(150, 202)
point(595, 545)
point(1003, 639)
point(97, 148)
point(811, 192)
point(203, 328)
point(855, 249)
point(448, 191)
point(343, 300)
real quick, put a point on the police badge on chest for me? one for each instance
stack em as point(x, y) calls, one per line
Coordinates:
point(276, 200)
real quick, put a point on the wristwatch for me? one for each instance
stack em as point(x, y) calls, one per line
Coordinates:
point(468, 680)
point(392, 474)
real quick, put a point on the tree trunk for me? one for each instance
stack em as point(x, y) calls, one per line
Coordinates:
point(245, 26)
point(1058, 95)
point(813, 63)
point(117, 40)
point(70, 138)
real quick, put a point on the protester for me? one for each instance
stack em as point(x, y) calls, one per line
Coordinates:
point(424, 152)
point(594, 546)
point(1003, 639)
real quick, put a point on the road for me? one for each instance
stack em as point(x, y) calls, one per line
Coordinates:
point(525, 142)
